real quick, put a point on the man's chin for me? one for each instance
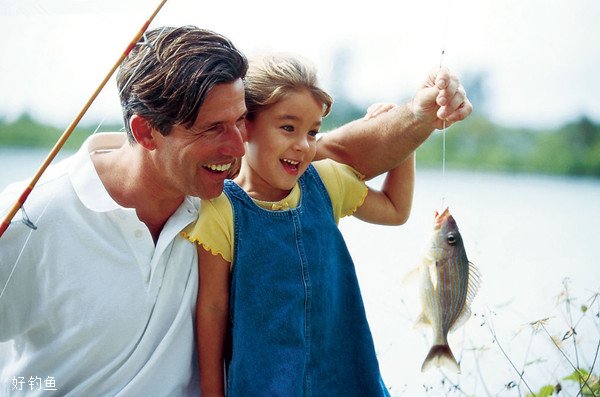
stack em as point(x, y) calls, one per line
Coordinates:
point(211, 193)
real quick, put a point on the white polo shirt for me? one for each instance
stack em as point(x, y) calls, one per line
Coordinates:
point(92, 307)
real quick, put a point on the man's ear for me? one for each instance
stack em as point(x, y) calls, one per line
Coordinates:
point(142, 132)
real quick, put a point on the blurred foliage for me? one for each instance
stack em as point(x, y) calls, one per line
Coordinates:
point(25, 131)
point(342, 112)
point(545, 391)
point(476, 143)
point(479, 144)
point(589, 385)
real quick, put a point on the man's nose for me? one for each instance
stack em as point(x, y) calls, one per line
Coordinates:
point(233, 144)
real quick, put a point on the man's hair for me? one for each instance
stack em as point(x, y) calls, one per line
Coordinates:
point(168, 74)
point(271, 77)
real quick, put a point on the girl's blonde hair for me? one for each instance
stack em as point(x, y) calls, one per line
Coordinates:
point(271, 77)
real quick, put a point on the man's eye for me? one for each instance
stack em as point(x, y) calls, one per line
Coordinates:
point(216, 129)
point(241, 121)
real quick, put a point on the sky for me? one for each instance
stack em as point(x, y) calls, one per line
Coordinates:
point(539, 59)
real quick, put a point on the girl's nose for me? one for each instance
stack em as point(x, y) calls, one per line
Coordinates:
point(302, 144)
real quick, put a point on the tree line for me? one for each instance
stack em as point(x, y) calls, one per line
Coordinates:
point(476, 143)
point(479, 144)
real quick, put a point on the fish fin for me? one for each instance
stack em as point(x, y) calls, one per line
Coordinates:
point(440, 356)
point(412, 276)
point(433, 276)
point(422, 321)
point(473, 286)
point(462, 318)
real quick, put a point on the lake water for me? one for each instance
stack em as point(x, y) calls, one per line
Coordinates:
point(530, 236)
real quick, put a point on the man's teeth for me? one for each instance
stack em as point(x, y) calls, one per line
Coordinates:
point(218, 167)
point(292, 162)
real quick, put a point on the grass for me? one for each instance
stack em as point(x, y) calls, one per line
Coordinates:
point(579, 378)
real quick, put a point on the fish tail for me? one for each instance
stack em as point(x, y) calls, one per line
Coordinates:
point(441, 356)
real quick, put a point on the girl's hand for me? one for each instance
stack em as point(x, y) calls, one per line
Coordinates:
point(378, 108)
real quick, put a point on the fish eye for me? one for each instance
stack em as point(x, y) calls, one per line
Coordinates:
point(451, 238)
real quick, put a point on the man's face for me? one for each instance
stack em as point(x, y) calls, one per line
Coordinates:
point(196, 161)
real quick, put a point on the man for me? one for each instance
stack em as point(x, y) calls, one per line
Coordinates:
point(100, 298)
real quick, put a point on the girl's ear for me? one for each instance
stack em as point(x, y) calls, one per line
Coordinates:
point(142, 132)
point(245, 132)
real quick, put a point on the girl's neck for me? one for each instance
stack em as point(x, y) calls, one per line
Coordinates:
point(258, 188)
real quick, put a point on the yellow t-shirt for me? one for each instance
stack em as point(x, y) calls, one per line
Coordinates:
point(214, 227)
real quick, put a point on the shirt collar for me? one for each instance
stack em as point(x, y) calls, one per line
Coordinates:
point(291, 201)
point(91, 191)
point(83, 175)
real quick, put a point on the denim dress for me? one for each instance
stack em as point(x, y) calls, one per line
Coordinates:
point(297, 321)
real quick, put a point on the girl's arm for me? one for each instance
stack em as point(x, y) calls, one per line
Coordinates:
point(211, 320)
point(391, 205)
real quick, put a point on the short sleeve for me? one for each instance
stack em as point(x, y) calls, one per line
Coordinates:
point(346, 187)
point(214, 227)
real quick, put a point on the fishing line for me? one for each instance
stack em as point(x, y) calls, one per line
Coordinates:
point(150, 46)
point(67, 133)
point(26, 220)
point(443, 52)
point(12, 270)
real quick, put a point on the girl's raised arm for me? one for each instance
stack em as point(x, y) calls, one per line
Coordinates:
point(392, 204)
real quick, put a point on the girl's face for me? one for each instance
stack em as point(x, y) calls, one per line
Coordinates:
point(280, 144)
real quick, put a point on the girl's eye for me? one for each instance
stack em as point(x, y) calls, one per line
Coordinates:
point(313, 133)
point(288, 128)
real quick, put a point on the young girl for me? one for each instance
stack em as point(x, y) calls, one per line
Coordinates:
point(279, 300)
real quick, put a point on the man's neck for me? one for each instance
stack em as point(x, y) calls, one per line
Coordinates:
point(130, 184)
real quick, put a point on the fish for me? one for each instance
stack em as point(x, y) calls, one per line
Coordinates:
point(448, 285)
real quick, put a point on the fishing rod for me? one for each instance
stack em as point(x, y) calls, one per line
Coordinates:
point(67, 133)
